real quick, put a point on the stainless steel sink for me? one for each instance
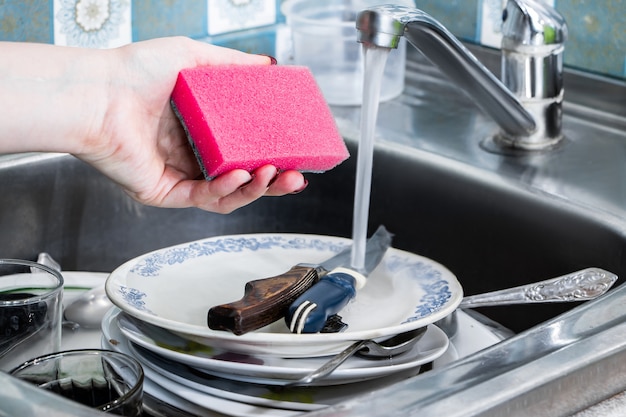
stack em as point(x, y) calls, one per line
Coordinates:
point(494, 220)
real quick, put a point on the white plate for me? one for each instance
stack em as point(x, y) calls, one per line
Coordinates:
point(113, 339)
point(471, 337)
point(271, 369)
point(208, 403)
point(174, 400)
point(76, 283)
point(300, 399)
point(174, 288)
point(235, 397)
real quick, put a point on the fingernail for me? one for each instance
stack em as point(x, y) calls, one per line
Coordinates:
point(247, 182)
point(299, 190)
point(273, 60)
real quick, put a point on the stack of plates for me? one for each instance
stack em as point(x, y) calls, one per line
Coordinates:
point(162, 299)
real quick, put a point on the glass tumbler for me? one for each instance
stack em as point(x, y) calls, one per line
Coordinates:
point(30, 311)
point(102, 379)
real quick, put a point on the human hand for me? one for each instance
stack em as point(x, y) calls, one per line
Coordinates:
point(142, 145)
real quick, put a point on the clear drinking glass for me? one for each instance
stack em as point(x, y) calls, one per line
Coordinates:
point(30, 311)
point(102, 379)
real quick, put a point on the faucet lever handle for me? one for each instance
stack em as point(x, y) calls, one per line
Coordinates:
point(532, 23)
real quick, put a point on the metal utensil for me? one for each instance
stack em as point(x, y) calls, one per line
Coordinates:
point(393, 346)
point(582, 285)
point(89, 308)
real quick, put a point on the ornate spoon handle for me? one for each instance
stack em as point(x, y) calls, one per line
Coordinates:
point(582, 285)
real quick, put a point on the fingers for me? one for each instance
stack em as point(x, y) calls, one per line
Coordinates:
point(268, 181)
point(207, 54)
point(288, 182)
point(238, 188)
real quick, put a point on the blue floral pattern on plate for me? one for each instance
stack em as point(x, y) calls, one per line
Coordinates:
point(151, 265)
point(134, 297)
point(436, 288)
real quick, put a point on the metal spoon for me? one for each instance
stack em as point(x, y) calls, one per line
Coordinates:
point(582, 285)
point(85, 311)
point(387, 348)
point(88, 309)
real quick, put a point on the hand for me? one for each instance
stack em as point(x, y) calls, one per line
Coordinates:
point(119, 120)
point(143, 147)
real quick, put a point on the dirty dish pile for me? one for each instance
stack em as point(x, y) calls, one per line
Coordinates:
point(202, 374)
point(162, 299)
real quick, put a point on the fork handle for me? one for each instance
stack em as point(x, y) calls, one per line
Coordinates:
point(331, 365)
point(581, 285)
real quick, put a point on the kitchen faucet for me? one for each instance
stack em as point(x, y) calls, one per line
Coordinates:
point(527, 103)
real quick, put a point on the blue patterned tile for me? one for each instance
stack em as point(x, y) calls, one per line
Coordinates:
point(158, 18)
point(597, 27)
point(26, 21)
point(92, 23)
point(226, 16)
point(597, 35)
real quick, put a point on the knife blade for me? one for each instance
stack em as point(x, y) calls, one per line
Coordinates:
point(324, 299)
point(266, 300)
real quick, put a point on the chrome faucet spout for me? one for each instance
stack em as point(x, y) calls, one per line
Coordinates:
point(528, 112)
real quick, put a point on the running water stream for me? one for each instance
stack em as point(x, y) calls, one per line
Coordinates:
point(374, 66)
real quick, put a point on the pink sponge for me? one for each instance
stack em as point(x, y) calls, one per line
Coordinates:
point(248, 116)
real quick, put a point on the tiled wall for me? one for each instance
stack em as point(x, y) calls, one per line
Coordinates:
point(597, 28)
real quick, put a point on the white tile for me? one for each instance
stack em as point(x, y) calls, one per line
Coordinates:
point(232, 15)
point(491, 21)
point(284, 47)
point(92, 23)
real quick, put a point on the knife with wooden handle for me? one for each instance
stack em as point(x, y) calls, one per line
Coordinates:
point(267, 300)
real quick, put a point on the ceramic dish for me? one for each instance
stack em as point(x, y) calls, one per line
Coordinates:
point(209, 403)
point(242, 399)
point(271, 369)
point(160, 393)
point(76, 283)
point(471, 337)
point(203, 389)
point(174, 288)
point(300, 398)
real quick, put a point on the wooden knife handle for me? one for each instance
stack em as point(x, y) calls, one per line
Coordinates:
point(265, 301)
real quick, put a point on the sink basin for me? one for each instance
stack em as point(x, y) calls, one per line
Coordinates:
point(491, 234)
point(494, 220)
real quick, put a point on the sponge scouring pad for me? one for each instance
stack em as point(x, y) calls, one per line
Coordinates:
point(243, 117)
